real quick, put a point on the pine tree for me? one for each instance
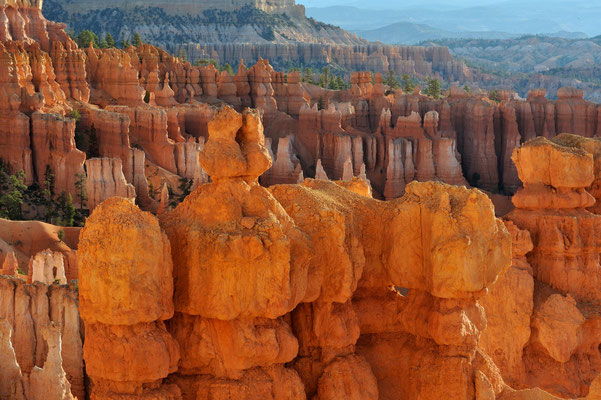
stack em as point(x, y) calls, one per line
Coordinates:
point(82, 193)
point(433, 89)
point(333, 84)
point(184, 188)
point(340, 83)
point(408, 85)
point(228, 68)
point(324, 80)
point(136, 40)
point(48, 195)
point(85, 37)
point(391, 80)
point(125, 44)
point(65, 204)
point(494, 96)
point(109, 40)
point(308, 75)
point(11, 199)
point(182, 54)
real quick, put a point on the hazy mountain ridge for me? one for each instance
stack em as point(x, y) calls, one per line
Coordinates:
point(527, 54)
point(532, 62)
point(409, 33)
point(514, 17)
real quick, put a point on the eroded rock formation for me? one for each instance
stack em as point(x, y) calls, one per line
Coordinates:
point(543, 329)
point(124, 302)
point(276, 296)
point(41, 341)
point(311, 290)
point(145, 106)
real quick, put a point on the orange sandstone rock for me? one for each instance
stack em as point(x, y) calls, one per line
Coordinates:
point(208, 286)
point(127, 349)
point(139, 253)
point(227, 348)
point(439, 239)
point(508, 306)
point(564, 246)
point(592, 146)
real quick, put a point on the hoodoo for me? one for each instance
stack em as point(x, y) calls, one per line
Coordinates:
point(255, 236)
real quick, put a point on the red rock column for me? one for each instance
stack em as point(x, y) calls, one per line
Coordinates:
point(240, 265)
point(125, 292)
point(562, 355)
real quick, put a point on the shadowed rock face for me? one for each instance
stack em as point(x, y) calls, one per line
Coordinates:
point(40, 341)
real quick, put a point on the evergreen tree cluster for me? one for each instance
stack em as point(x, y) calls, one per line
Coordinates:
point(41, 201)
point(86, 36)
point(203, 61)
point(495, 96)
point(327, 79)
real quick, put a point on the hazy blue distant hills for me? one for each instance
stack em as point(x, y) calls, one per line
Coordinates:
point(410, 33)
point(512, 16)
point(396, 4)
point(529, 54)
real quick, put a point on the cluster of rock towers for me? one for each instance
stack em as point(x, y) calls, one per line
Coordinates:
point(262, 284)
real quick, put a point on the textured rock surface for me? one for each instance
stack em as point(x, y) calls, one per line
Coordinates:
point(312, 290)
point(398, 138)
point(47, 355)
point(136, 285)
point(293, 301)
point(11, 381)
point(124, 299)
point(50, 381)
point(47, 267)
point(508, 306)
point(105, 179)
point(549, 296)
